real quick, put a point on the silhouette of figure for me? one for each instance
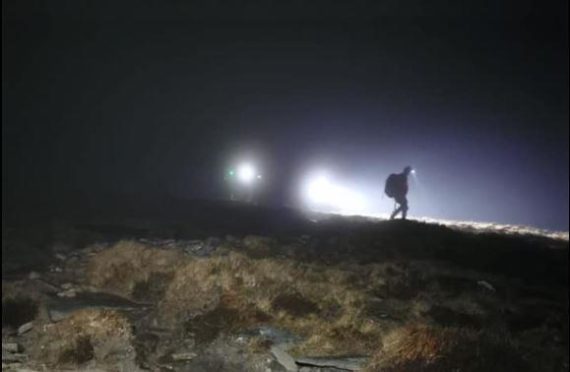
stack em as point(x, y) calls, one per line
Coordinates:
point(397, 188)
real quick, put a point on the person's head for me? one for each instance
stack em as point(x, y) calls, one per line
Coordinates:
point(408, 170)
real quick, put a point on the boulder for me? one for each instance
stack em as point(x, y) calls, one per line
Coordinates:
point(24, 328)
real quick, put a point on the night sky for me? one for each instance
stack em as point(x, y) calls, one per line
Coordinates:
point(159, 97)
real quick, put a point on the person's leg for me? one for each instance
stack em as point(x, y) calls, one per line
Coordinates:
point(400, 202)
point(404, 207)
point(396, 211)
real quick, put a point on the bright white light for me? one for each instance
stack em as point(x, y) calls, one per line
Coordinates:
point(348, 200)
point(246, 173)
point(321, 193)
point(320, 190)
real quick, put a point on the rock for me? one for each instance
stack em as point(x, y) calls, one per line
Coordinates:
point(193, 246)
point(178, 357)
point(34, 275)
point(274, 366)
point(273, 335)
point(11, 347)
point(486, 285)
point(88, 251)
point(11, 366)
point(67, 294)
point(25, 328)
point(356, 363)
point(13, 357)
point(277, 336)
point(284, 358)
point(61, 307)
point(46, 287)
point(210, 245)
point(55, 269)
point(60, 256)
point(320, 369)
point(67, 286)
point(57, 315)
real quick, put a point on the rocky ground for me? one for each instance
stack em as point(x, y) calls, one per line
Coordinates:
point(244, 289)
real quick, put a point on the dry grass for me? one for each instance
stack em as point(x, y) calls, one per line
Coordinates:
point(404, 293)
point(418, 347)
point(333, 308)
point(419, 342)
point(127, 264)
point(319, 303)
point(102, 336)
point(325, 305)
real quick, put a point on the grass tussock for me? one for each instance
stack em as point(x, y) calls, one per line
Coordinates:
point(326, 306)
point(418, 347)
point(128, 265)
point(321, 304)
point(393, 311)
point(87, 335)
point(419, 342)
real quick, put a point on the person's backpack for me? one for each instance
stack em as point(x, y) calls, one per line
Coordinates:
point(391, 186)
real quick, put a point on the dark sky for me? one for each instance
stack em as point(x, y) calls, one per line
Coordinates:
point(153, 97)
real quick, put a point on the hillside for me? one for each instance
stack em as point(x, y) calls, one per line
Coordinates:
point(218, 286)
